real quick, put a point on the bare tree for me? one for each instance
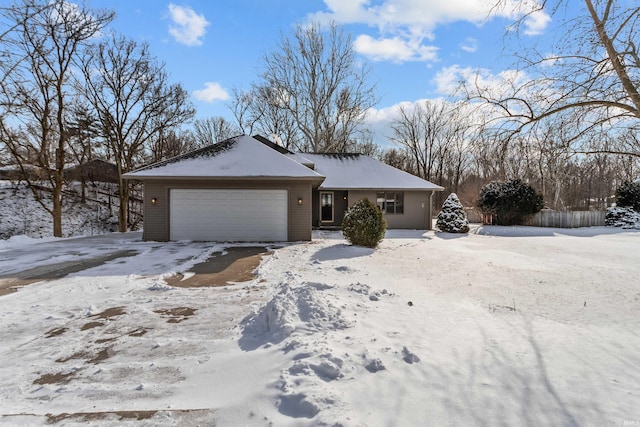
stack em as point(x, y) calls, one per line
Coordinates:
point(312, 90)
point(245, 110)
point(593, 74)
point(167, 144)
point(436, 135)
point(40, 48)
point(84, 135)
point(260, 110)
point(398, 158)
point(134, 101)
point(212, 129)
point(418, 129)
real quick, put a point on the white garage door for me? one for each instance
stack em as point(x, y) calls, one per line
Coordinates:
point(228, 215)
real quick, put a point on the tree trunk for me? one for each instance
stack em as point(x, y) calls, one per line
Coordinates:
point(56, 212)
point(123, 196)
point(614, 56)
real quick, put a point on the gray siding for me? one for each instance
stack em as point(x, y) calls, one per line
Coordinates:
point(340, 206)
point(417, 209)
point(156, 217)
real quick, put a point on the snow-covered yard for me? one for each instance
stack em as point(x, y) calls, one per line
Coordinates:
point(21, 214)
point(504, 326)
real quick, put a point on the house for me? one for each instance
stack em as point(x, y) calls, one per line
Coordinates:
point(250, 189)
point(94, 170)
point(404, 199)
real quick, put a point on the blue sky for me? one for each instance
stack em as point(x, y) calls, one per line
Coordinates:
point(414, 47)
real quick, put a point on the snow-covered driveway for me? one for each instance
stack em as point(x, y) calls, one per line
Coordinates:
point(505, 326)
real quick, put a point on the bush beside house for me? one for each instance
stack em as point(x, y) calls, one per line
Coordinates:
point(363, 224)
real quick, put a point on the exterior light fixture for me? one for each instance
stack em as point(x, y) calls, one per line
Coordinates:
point(299, 201)
point(154, 200)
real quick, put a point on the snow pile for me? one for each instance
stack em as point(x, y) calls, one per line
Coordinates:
point(302, 308)
point(316, 326)
point(624, 217)
point(21, 240)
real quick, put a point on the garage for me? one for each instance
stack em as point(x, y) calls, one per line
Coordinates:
point(228, 215)
point(241, 189)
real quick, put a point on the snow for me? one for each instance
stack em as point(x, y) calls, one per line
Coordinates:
point(501, 326)
point(22, 217)
point(245, 157)
point(361, 172)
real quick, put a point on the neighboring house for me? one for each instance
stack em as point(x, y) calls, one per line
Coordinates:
point(94, 170)
point(15, 173)
point(250, 189)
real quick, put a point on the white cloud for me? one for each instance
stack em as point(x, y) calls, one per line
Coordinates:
point(394, 49)
point(469, 44)
point(424, 15)
point(407, 24)
point(450, 79)
point(187, 26)
point(506, 85)
point(536, 23)
point(212, 92)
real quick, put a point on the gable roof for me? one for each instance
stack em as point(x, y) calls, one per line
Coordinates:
point(241, 157)
point(360, 172)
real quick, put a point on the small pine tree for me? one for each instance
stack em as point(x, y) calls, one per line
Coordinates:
point(363, 224)
point(628, 195)
point(622, 216)
point(626, 213)
point(452, 218)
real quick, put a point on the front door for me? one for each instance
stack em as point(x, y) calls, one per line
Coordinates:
point(326, 207)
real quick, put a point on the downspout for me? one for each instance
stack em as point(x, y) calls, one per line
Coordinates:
point(428, 211)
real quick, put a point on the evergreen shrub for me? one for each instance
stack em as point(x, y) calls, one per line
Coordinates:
point(452, 218)
point(628, 195)
point(509, 201)
point(364, 224)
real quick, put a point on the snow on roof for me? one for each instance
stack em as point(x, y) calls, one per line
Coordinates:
point(282, 150)
point(238, 157)
point(357, 171)
point(301, 159)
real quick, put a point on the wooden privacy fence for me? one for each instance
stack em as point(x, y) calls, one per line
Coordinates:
point(566, 219)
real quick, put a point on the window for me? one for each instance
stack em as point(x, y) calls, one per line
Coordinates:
point(391, 202)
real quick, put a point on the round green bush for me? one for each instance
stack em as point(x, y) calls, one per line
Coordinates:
point(363, 224)
point(510, 201)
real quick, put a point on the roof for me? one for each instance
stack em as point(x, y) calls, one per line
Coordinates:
point(360, 172)
point(241, 157)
